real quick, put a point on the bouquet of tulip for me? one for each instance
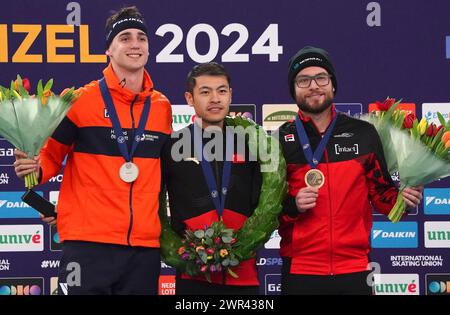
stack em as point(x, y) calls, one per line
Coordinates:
point(419, 151)
point(26, 121)
point(209, 250)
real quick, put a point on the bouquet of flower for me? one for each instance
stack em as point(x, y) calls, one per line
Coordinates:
point(383, 119)
point(419, 151)
point(209, 250)
point(26, 121)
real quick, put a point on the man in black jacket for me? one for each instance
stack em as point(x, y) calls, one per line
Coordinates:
point(195, 194)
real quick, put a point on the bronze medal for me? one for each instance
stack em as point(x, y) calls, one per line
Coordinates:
point(314, 178)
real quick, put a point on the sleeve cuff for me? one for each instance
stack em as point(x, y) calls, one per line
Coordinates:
point(40, 175)
point(289, 207)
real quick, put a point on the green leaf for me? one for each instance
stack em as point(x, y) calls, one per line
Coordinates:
point(225, 262)
point(69, 95)
point(436, 139)
point(5, 92)
point(391, 110)
point(199, 234)
point(40, 89)
point(234, 262)
point(209, 232)
point(228, 232)
point(226, 239)
point(441, 119)
point(414, 128)
point(48, 85)
point(19, 80)
point(400, 120)
point(440, 149)
point(209, 242)
point(232, 273)
point(22, 91)
point(204, 257)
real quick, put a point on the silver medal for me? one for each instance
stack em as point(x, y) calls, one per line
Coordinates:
point(128, 172)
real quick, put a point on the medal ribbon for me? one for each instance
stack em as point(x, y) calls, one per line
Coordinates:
point(218, 199)
point(313, 158)
point(118, 131)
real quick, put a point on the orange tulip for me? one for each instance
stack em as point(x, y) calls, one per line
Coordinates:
point(45, 95)
point(64, 92)
point(446, 137)
point(447, 144)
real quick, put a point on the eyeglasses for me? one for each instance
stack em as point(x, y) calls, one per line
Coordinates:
point(305, 81)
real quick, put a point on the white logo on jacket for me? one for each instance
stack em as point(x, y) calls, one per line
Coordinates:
point(342, 149)
point(344, 135)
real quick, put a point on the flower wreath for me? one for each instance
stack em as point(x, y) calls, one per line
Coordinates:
point(259, 226)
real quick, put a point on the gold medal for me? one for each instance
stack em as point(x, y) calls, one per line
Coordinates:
point(314, 178)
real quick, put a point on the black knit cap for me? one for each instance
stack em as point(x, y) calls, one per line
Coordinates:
point(307, 57)
point(124, 23)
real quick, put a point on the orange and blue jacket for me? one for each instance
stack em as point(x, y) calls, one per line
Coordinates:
point(94, 203)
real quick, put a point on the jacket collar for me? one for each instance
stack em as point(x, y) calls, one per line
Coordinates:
point(307, 119)
point(122, 93)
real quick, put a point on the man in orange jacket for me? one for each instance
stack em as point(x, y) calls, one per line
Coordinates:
point(108, 203)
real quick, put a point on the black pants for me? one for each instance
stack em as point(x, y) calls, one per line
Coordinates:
point(348, 284)
point(195, 287)
point(97, 268)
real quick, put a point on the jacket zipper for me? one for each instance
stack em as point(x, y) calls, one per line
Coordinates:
point(218, 180)
point(329, 199)
point(132, 184)
point(331, 215)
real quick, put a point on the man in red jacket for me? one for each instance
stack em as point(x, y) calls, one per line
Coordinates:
point(108, 203)
point(336, 172)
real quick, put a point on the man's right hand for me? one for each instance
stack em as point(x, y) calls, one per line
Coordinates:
point(49, 220)
point(306, 198)
point(24, 165)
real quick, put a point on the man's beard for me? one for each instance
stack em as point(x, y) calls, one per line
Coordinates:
point(303, 106)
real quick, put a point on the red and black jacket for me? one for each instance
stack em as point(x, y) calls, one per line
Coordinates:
point(334, 236)
point(190, 203)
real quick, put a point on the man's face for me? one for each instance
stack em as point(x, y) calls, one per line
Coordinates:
point(129, 50)
point(313, 99)
point(211, 98)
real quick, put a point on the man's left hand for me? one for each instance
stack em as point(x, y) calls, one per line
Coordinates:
point(412, 196)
